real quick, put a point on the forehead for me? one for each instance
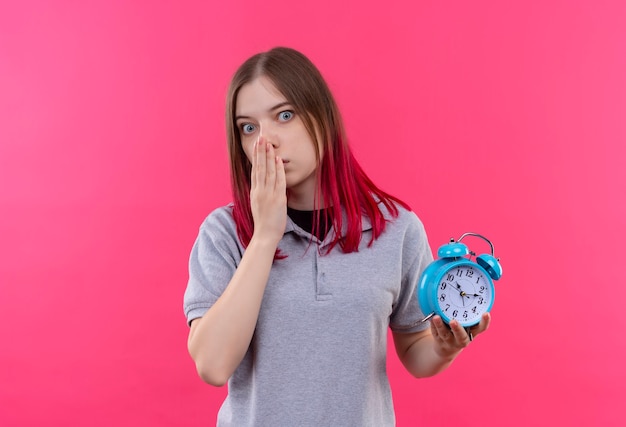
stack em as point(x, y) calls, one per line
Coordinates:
point(258, 96)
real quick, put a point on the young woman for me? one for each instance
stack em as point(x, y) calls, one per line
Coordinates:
point(294, 285)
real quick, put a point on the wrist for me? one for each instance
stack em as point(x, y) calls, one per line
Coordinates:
point(448, 355)
point(263, 242)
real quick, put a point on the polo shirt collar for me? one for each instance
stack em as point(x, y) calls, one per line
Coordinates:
point(292, 227)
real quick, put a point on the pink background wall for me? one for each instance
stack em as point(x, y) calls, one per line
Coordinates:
point(500, 117)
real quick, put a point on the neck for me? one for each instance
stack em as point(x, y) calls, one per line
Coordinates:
point(301, 203)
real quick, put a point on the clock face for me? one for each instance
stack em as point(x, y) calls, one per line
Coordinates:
point(464, 293)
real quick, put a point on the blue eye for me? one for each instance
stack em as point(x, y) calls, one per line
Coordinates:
point(285, 116)
point(247, 128)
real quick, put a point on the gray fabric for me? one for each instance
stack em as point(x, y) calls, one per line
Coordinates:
point(318, 355)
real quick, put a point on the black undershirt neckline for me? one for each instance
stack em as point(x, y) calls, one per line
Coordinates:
point(304, 220)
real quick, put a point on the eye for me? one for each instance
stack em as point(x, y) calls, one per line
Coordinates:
point(285, 116)
point(247, 128)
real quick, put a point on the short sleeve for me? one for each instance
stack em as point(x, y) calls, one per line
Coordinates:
point(407, 316)
point(214, 257)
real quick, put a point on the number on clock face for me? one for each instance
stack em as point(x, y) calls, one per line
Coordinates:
point(464, 294)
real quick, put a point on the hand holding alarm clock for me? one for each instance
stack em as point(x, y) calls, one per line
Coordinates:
point(455, 287)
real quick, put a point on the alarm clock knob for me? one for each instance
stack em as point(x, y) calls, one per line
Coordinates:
point(491, 264)
point(453, 250)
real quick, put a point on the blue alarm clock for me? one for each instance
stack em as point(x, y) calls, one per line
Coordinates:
point(456, 287)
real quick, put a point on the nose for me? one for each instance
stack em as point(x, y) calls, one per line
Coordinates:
point(268, 131)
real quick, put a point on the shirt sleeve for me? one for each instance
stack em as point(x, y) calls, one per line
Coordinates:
point(212, 263)
point(407, 316)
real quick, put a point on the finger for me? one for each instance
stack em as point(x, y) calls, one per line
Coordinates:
point(485, 320)
point(459, 332)
point(281, 183)
point(261, 162)
point(253, 179)
point(270, 161)
point(434, 331)
point(440, 327)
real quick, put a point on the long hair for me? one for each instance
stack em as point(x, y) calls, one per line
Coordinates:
point(342, 183)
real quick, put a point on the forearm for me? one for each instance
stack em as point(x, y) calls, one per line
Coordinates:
point(219, 340)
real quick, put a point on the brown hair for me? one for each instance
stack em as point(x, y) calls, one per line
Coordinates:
point(341, 181)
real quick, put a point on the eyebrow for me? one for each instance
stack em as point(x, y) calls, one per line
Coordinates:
point(275, 107)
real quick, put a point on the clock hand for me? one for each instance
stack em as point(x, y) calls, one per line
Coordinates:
point(462, 292)
point(473, 295)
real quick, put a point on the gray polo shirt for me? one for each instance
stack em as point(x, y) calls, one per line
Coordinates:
point(318, 354)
